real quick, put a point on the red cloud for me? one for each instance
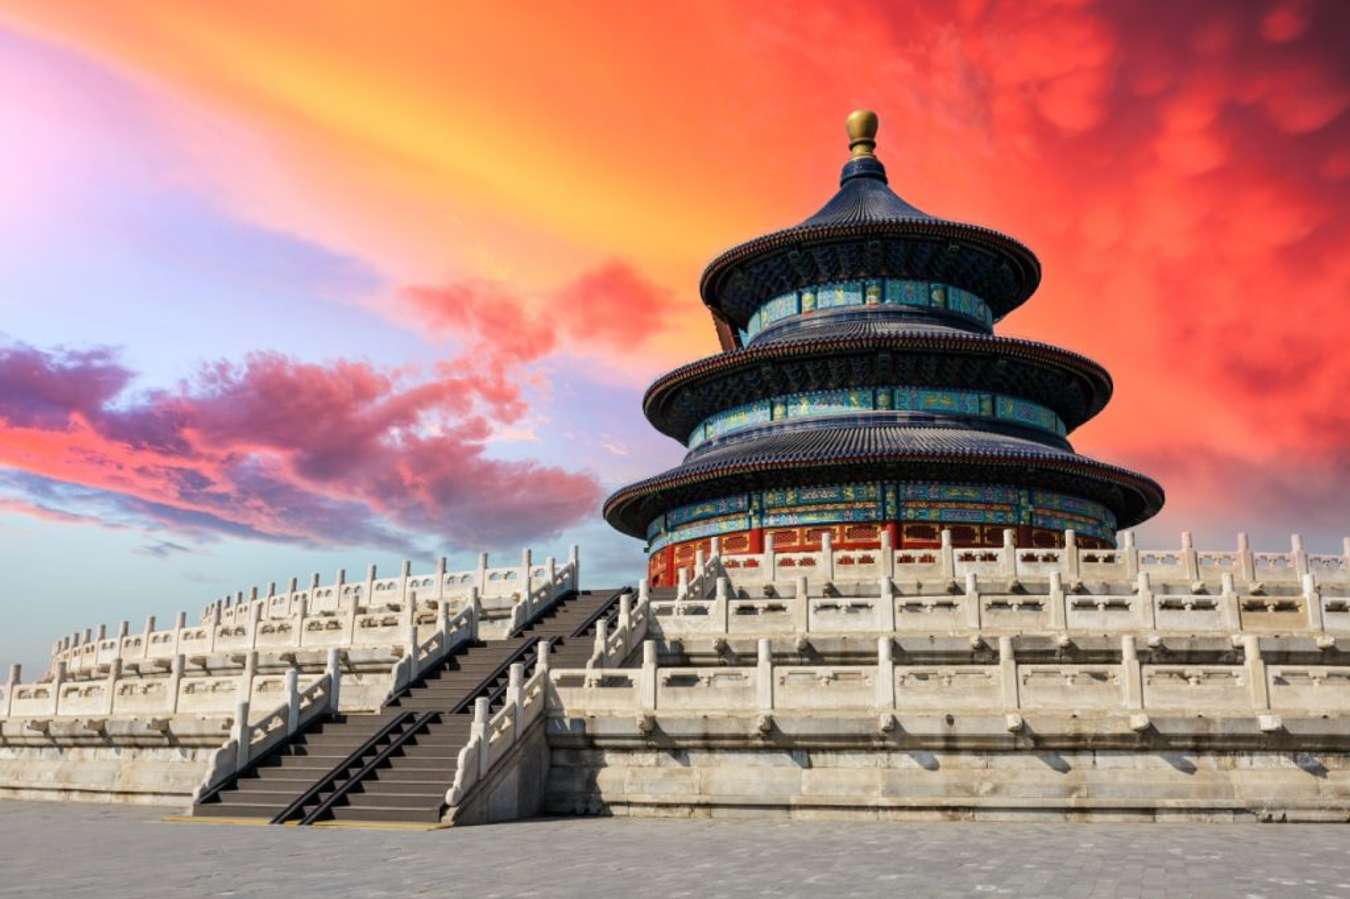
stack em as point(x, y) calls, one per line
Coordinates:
point(279, 449)
point(611, 308)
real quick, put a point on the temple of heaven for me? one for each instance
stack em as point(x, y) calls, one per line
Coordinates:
point(862, 393)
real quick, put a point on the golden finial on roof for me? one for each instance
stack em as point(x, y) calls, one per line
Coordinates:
point(862, 132)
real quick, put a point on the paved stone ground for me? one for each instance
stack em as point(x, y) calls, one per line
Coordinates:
point(97, 850)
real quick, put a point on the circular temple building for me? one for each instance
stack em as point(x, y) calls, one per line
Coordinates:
point(862, 393)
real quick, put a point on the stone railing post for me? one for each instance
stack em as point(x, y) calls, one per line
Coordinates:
point(15, 678)
point(254, 616)
point(1190, 559)
point(946, 556)
point(58, 681)
point(404, 574)
point(764, 675)
point(1007, 561)
point(1298, 555)
point(476, 604)
point(541, 651)
point(1246, 561)
point(1145, 614)
point(515, 694)
point(250, 671)
point(801, 604)
point(123, 628)
point(1256, 672)
point(1232, 615)
point(574, 562)
point(1007, 671)
point(114, 674)
point(887, 553)
point(443, 620)
point(601, 637)
point(212, 626)
point(1130, 552)
point(526, 576)
point(410, 640)
point(647, 678)
point(479, 729)
point(697, 582)
point(1312, 598)
point(722, 607)
point(885, 673)
point(1072, 563)
point(885, 605)
point(333, 670)
point(368, 593)
point(480, 573)
point(145, 639)
point(769, 562)
point(974, 613)
point(682, 583)
point(175, 683)
point(1131, 674)
point(442, 567)
point(827, 557)
point(551, 572)
point(339, 585)
point(292, 700)
point(242, 735)
point(1059, 610)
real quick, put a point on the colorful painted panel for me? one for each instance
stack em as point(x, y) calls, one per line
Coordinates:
point(1031, 414)
point(927, 503)
point(837, 493)
point(706, 509)
point(828, 515)
point(840, 293)
point(733, 419)
point(708, 528)
point(892, 292)
point(842, 402)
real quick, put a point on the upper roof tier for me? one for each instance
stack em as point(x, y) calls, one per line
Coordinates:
point(867, 231)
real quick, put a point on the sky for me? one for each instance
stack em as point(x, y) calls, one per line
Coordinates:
point(292, 287)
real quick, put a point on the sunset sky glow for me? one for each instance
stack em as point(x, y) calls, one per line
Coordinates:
point(296, 286)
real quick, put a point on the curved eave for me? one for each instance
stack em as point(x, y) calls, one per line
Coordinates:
point(660, 396)
point(1131, 497)
point(1024, 268)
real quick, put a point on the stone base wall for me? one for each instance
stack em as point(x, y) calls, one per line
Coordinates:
point(514, 789)
point(968, 784)
point(128, 762)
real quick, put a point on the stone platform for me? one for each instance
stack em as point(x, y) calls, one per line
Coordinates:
point(125, 850)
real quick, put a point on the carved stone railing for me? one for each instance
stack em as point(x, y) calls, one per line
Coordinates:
point(612, 648)
point(945, 562)
point(996, 682)
point(320, 615)
point(1002, 593)
point(491, 737)
point(250, 739)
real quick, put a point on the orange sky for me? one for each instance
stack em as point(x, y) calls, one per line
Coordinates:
point(1182, 170)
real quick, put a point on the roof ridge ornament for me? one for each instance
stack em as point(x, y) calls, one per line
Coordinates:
point(862, 127)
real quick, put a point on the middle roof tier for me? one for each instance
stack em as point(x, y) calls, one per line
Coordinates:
point(877, 352)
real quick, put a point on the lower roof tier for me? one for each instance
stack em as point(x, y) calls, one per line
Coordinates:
point(876, 453)
point(872, 353)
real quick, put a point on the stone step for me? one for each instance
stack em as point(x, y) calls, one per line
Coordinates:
point(388, 814)
point(431, 800)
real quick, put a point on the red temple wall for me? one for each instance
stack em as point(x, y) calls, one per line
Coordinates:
point(664, 564)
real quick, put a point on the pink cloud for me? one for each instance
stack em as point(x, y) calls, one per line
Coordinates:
point(283, 450)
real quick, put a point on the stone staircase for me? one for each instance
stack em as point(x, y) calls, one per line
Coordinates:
point(396, 765)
